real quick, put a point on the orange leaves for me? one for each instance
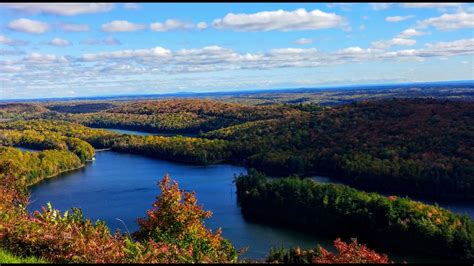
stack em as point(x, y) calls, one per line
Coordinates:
point(350, 253)
point(177, 219)
point(392, 198)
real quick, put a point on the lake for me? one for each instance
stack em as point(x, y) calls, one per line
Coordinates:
point(143, 133)
point(28, 149)
point(124, 186)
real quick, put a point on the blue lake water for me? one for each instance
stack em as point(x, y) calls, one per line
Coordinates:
point(143, 133)
point(27, 149)
point(123, 186)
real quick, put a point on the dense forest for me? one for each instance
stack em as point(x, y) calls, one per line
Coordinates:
point(183, 116)
point(406, 146)
point(418, 146)
point(338, 210)
point(409, 146)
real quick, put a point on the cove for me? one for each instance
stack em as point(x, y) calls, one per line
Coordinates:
point(123, 186)
point(118, 188)
point(144, 133)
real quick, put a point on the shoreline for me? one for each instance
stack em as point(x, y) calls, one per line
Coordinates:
point(56, 175)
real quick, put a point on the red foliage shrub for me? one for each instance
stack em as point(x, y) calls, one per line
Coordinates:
point(350, 253)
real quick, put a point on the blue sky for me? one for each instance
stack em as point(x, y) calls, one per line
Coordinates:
point(82, 49)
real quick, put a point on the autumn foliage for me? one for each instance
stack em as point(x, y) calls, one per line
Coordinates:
point(173, 232)
point(177, 220)
point(347, 253)
point(350, 253)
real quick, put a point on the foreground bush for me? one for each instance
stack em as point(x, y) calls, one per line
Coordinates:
point(173, 232)
point(177, 221)
point(347, 253)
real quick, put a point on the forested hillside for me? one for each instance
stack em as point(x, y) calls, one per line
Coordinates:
point(412, 146)
point(405, 146)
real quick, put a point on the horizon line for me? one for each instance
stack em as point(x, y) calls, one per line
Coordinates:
point(234, 91)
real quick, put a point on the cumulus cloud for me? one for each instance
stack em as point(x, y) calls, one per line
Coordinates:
point(110, 68)
point(62, 9)
point(410, 33)
point(59, 42)
point(28, 26)
point(280, 20)
point(174, 24)
point(42, 74)
point(215, 58)
point(121, 26)
point(303, 41)
point(398, 18)
point(393, 42)
point(453, 21)
point(71, 27)
point(38, 58)
point(402, 39)
point(131, 6)
point(128, 54)
point(8, 41)
point(122, 69)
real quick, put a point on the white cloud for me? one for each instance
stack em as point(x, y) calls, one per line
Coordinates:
point(393, 42)
point(380, 6)
point(431, 5)
point(303, 41)
point(122, 69)
point(131, 6)
point(410, 33)
point(62, 9)
point(71, 27)
point(292, 51)
point(111, 41)
point(121, 26)
point(201, 25)
point(106, 41)
point(59, 42)
point(7, 41)
point(28, 26)
point(174, 24)
point(402, 39)
point(37, 58)
point(42, 74)
point(216, 58)
point(450, 21)
point(398, 18)
point(281, 20)
point(129, 54)
point(458, 47)
point(11, 69)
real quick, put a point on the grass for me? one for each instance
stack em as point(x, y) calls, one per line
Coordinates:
point(7, 257)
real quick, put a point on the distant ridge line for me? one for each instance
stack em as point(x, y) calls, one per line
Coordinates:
point(468, 83)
